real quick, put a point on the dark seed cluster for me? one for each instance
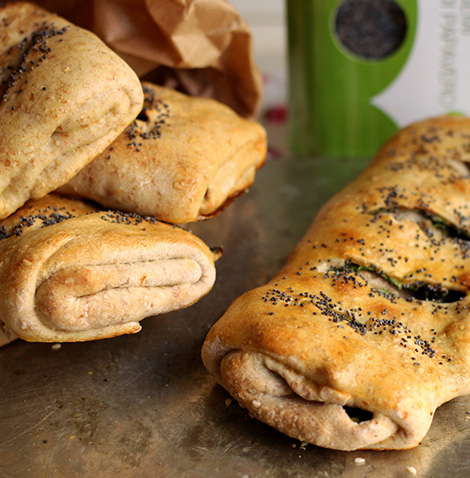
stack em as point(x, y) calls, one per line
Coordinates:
point(118, 217)
point(159, 116)
point(360, 321)
point(34, 50)
point(370, 29)
point(46, 217)
point(50, 216)
point(443, 239)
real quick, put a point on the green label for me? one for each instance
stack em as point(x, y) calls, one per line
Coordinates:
point(342, 57)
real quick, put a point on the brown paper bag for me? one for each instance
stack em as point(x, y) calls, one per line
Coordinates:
point(200, 47)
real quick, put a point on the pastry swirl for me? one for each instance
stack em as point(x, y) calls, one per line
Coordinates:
point(73, 272)
point(364, 332)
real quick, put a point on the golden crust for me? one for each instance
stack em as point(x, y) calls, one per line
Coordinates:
point(65, 97)
point(368, 316)
point(182, 160)
point(72, 272)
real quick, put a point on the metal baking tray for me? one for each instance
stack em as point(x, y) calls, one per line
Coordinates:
point(144, 405)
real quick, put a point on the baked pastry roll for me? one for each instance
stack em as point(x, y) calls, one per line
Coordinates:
point(64, 97)
point(72, 272)
point(365, 330)
point(183, 159)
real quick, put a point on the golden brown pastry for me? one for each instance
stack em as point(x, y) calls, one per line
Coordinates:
point(183, 159)
point(72, 272)
point(64, 97)
point(365, 331)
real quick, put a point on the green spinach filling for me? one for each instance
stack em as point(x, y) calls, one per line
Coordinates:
point(418, 290)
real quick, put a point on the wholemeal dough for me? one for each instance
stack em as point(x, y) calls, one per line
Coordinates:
point(64, 97)
point(183, 159)
point(73, 272)
point(365, 331)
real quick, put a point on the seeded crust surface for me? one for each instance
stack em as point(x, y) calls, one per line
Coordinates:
point(365, 330)
point(74, 272)
point(183, 159)
point(65, 96)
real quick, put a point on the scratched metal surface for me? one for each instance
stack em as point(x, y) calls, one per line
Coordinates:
point(144, 406)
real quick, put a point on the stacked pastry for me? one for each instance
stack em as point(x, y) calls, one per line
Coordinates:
point(75, 270)
point(65, 97)
point(365, 330)
point(183, 159)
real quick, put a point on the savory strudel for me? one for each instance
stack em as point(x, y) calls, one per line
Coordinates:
point(64, 97)
point(72, 272)
point(365, 331)
point(183, 159)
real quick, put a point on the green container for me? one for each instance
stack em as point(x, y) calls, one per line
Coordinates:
point(344, 101)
